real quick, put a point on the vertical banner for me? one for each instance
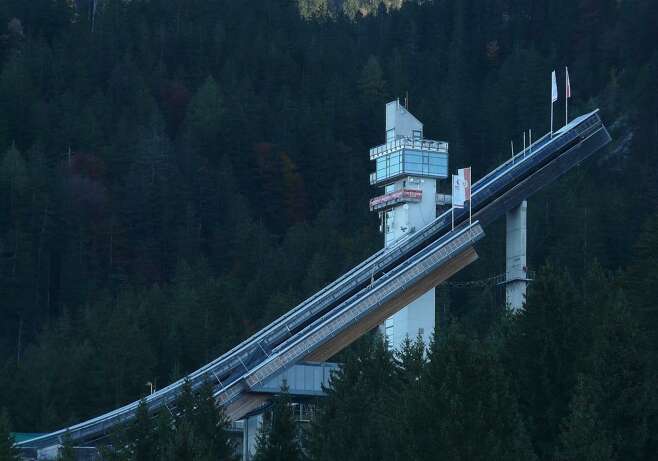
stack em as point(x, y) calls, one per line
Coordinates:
point(465, 175)
point(458, 191)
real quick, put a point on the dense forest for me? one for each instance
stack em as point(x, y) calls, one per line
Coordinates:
point(176, 173)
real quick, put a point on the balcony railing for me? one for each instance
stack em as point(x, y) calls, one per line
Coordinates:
point(408, 143)
point(393, 198)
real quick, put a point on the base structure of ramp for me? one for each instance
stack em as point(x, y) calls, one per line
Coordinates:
point(362, 298)
point(380, 302)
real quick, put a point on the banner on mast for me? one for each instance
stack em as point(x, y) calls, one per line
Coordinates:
point(458, 191)
point(553, 87)
point(461, 187)
point(465, 174)
point(568, 89)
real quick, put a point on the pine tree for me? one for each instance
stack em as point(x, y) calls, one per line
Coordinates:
point(476, 415)
point(7, 450)
point(363, 390)
point(582, 437)
point(624, 382)
point(548, 343)
point(408, 409)
point(67, 451)
point(142, 435)
point(371, 83)
point(204, 118)
point(211, 427)
point(279, 439)
point(183, 444)
point(641, 280)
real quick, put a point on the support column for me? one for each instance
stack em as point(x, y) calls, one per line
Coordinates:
point(516, 271)
point(250, 431)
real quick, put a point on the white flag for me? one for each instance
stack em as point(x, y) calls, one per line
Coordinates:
point(458, 191)
point(568, 90)
point(553, 87)
point(465, 174)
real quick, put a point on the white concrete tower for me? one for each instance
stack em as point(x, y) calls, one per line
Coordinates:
point(407, 167)
point(516, 271)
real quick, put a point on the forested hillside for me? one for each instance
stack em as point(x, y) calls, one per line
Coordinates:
point(176, 173)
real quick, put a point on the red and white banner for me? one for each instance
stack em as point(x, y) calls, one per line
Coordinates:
point(458, 191)
point(465, 173)
point(553, 87)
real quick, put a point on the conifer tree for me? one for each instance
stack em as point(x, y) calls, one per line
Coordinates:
point(183, 442)
point(67, 451)
point(279, 439)
point(407, 412)
point(475, 412)
point(7, 450)
point(142, 434)
point(363, 390)
point(547, 344)
point(583, 437)
point(211, 427)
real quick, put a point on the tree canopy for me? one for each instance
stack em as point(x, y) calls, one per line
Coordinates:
point(176, 174)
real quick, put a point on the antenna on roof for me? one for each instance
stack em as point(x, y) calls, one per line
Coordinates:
point(406, 100)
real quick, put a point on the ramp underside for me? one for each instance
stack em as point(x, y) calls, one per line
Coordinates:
point(389, 308)
point(249, 402)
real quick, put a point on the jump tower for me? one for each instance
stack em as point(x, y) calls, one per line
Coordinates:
point(408, 168)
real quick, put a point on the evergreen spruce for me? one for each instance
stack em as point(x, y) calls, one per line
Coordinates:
point(363, 389)
point(583, 437)
point(476, 413)
point(66, 450)
point(7, 450)
point(142, 435)
point(279, 437)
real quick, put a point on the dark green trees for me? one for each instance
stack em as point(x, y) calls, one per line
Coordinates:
point(455, 404)
point(583, 437)
point(7, 450)
point(67, 450)
point(279, 438)
point(468, 387)
point(196, 430)
point(352, 422)
point(175, 178)
point(142, 436)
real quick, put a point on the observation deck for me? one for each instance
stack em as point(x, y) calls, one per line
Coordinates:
point(406, 156)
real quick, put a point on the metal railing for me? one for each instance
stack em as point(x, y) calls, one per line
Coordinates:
point(386, 287)
point(408, 143)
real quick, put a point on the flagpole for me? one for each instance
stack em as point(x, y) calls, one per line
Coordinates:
point(566, 95)
point(470, 212)
point(551, 117)
point(567, 89)
point(553, 97)
point(470, 197)
point(453, 214)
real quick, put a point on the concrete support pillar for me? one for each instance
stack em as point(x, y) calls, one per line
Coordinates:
point(251, 427)
point(516, 271)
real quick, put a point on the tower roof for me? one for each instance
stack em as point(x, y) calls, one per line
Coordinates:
point(401, 122)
